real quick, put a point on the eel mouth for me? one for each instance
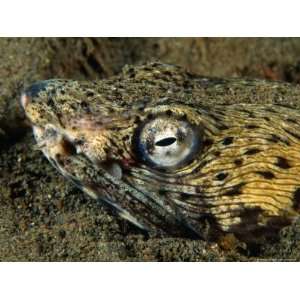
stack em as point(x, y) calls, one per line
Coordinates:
point(58, 147)
point(72, 163)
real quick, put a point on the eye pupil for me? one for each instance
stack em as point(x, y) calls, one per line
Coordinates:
point(165, 142)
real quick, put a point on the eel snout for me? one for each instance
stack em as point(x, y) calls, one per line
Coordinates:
point(33, 91)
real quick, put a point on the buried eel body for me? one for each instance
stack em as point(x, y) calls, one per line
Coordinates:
point(170, 151)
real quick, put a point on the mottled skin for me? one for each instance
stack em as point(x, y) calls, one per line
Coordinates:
point(242, 178)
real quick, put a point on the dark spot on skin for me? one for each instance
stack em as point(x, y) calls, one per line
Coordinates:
point(252, 151)
point(185, 196)
point(162, 192)
point(85, 106)
point(168, 73)
point(296, 199)
point(150, 116)
point(79, 141)
point(291, 120)
point(90, 94)
point(267, 119)
point(110, 110)
point(251, 115)
point(137, 120)
point(126, 171)
point(282, 163)
point(217, 153)
point(186, 84)
point(238, 162)
point(266, 174)
point(235, 190)
point(73, 106)
point(198, 189)
point(62, 234)
point(228, 140)
point(105, 149)
point(207, 142)
point(169, 113)
point(221, 176)
point(251, 126)
point(50, 102)
point(130, 70)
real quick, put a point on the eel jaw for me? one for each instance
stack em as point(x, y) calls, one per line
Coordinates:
point(53, 146)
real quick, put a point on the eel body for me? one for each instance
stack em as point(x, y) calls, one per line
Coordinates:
point(170, 151)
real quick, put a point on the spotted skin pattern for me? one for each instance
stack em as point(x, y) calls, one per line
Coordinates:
point(244, 179)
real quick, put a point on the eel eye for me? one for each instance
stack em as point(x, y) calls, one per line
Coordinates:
point(167, 143)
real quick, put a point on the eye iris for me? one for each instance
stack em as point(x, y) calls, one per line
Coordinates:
point(166, 142)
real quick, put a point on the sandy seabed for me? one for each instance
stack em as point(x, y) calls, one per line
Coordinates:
point(43, 217)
